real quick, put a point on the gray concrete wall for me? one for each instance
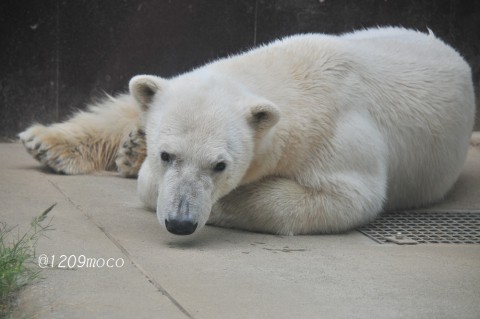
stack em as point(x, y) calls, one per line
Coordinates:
point(58, 55)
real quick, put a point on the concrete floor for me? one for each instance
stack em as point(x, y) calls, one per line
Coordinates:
point(222, 273)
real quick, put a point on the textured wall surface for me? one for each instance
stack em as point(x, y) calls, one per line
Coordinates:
point(56, 56)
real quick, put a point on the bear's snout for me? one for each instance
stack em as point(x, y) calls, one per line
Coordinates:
point(181, 226)
point(182, 223)
point(182, 211)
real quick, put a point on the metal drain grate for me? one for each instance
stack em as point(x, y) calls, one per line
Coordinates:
point(416, 227)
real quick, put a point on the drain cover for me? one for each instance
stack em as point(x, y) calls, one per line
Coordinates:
point(417, 227)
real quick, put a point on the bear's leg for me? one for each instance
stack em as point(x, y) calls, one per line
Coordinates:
point(282, 206)
point(147, 186)
point(92, 140)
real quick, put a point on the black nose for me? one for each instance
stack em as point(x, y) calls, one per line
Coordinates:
point(180, 227)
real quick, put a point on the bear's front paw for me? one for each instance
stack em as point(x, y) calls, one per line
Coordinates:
point(131, 154)
point(49, 149)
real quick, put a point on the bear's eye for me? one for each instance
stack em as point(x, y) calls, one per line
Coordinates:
point(165, 157)
point(220, 166)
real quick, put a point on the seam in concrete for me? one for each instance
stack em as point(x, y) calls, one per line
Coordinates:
point(150, 279)
point(77, 207)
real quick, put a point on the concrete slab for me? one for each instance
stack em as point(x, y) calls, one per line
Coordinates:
point(101, 292)
point(221, 273)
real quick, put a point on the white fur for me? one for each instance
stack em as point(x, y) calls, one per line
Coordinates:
point(373, 120)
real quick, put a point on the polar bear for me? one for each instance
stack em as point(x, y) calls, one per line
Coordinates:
point(309, 134)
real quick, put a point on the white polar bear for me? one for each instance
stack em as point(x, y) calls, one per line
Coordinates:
point(310, 134)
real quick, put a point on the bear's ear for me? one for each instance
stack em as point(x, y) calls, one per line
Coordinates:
point(144, 87)
point(263, 115)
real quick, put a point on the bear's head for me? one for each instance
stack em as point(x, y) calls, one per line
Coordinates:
point(202, 133)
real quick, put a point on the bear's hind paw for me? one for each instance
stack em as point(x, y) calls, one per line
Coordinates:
point(51, 151)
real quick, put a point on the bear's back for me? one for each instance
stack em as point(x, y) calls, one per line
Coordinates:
point(417, 89)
